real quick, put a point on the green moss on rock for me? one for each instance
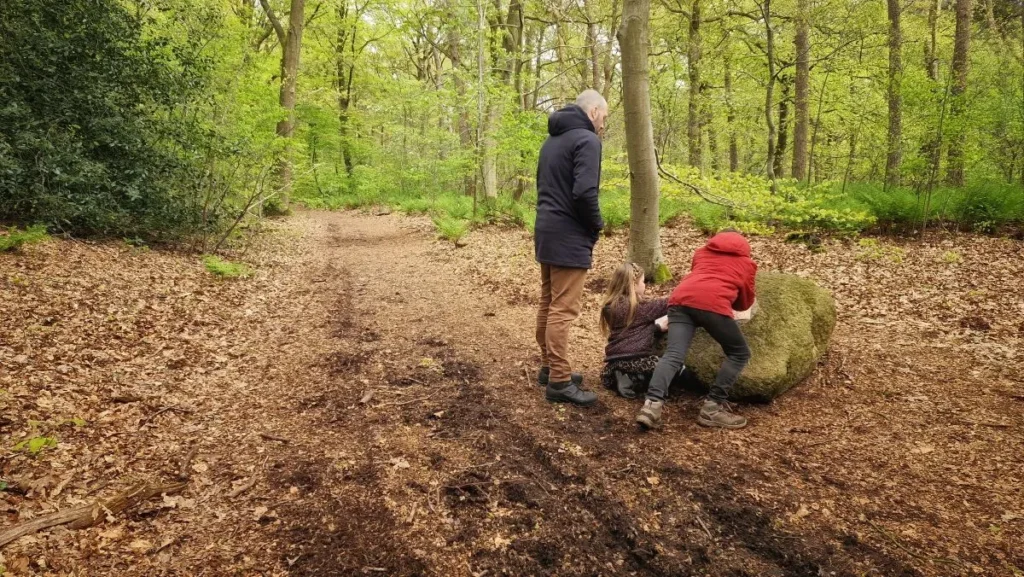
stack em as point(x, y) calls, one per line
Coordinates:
point(787, 336)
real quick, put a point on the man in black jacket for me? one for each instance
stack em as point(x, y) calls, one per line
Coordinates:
point(568, 224)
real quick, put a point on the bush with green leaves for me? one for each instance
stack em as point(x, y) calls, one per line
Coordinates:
point(451, 229)
point(15, 239)
point(95, 137)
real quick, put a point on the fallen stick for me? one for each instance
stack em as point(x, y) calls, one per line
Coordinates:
point(705, 527)
point(92, 514)
point(243, 488)
point(910, 552)
point(988, 424)
point(270, 437)
point(183, 472)
point(164, 410)
point(491, 482)
point(403, 403)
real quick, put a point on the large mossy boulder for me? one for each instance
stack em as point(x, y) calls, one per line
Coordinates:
point(787, 335)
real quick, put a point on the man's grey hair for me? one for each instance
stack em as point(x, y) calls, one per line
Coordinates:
point(590, 99)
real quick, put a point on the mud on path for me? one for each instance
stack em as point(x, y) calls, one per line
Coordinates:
point(366, 406)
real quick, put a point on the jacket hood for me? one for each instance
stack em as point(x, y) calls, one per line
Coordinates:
point(729, 243)
point(569, 118)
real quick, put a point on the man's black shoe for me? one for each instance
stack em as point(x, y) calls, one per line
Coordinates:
point(569, 392)
point(545, 374)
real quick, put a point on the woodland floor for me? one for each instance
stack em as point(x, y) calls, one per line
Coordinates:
point(901, 456)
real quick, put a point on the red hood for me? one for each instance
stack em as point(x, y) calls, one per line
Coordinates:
point(729, 243)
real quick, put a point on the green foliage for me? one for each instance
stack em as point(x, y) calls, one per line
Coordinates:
point(35, 445)
point(14, 239)
point(94, 137)
point(708, 218)
point(530, 219)
point(226, 269)
point(451, 229)
point(984, 206)
point(453, 208)
point(873, 250)
point(414, 206)
point(952, 257)
point(614, 211)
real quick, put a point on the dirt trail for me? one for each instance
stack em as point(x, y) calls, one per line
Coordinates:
point(366, 406)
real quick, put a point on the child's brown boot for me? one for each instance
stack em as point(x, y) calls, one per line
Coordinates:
point(719, 414)
point(650, 414)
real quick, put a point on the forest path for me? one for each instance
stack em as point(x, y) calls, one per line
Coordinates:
point(365, 405)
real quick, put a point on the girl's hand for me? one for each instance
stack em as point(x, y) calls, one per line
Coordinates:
point(662, 324)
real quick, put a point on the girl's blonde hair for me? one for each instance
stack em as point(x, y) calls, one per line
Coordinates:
point(621, 286)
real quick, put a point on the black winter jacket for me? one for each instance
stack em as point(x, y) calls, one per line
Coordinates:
point(568, 177)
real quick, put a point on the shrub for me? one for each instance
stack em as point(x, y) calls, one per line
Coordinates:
point(530, 220)
point(451, 229)
point(454, 207)
point(708, 218)
point(92, 131)
point(14, 239)
point(226, 269)
point(414, 206)
point(615, 211)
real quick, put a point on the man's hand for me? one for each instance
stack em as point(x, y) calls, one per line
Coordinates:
point(662, 324)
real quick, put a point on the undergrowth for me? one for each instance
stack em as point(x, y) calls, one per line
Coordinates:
point(451, 229)
point(15, 238)
point(226, 269)
point(741, 201)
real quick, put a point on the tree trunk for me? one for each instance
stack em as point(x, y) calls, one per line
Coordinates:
point(291, 49)
point(931, 58)
point(894, 142)
point(644, 243)
point(780, 147)
point(465, 134)
point(346, 37)
point(595, 50)
point(769, 96)
point(811, 172)
point(730, 117)
point(707, 117)
point(693, 54)
point(801, 127)
point(609, 54)
point(961, 63)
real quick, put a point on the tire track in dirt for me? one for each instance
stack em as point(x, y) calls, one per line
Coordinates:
point(504, 490)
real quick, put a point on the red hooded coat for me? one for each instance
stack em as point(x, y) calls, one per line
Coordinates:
point(721, 277)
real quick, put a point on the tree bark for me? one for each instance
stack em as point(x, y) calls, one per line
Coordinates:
point(769, 97)
point(961, 64)
point(931, 58)
point(801, 127)
point(291, 46)
point(609, 54)
point(595, 50)
point(455, 55)
point(644, 242)
point(346, 67)
point(693, 120)
point(894, 142)
point(730, 117)
point(783, 132)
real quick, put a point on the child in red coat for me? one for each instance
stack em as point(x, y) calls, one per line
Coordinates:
point(721, 281)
